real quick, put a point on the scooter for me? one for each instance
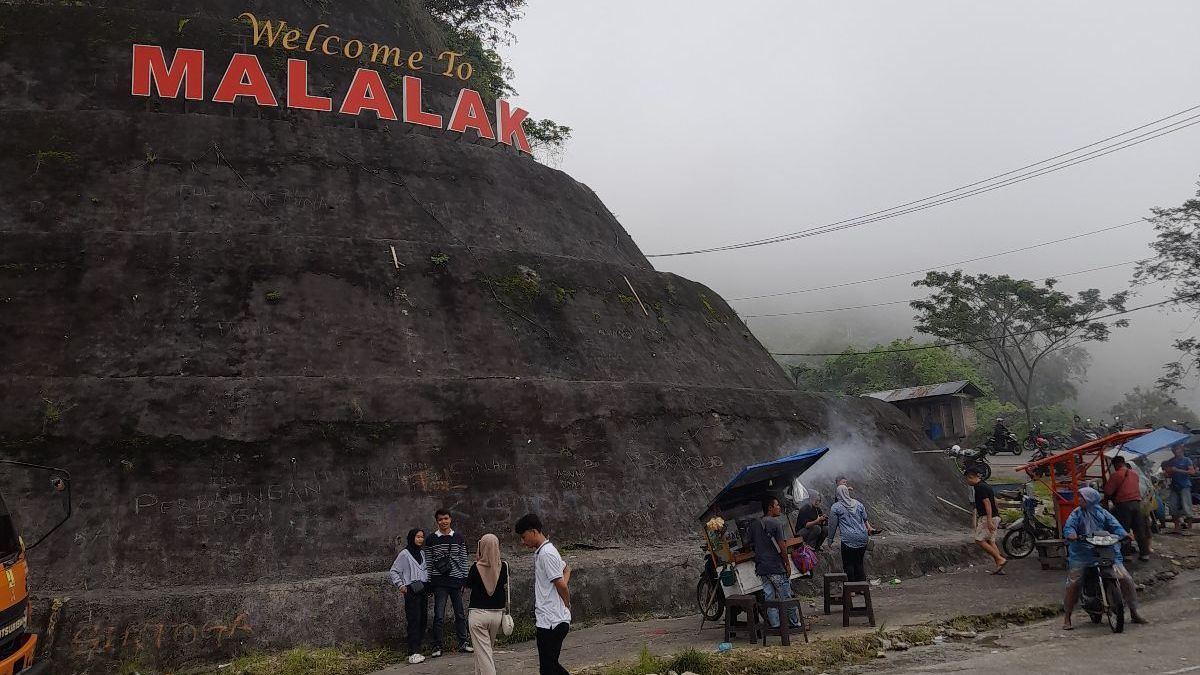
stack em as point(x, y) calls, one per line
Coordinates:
point(1002, 440)
point(970, 459)
point(1022, 536)
point(1100, 590)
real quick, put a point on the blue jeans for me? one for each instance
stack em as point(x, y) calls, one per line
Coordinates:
point(777, 587)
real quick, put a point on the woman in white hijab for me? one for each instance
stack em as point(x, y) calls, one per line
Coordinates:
point(848, 518)
point(488, 582)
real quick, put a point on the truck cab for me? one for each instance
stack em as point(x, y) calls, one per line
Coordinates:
point(17, 642)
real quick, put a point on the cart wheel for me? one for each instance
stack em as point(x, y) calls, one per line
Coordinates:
point(710, 599)
point(1018, 543)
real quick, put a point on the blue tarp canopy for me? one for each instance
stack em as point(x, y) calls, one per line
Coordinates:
point(1154, 441)
point(751, 482)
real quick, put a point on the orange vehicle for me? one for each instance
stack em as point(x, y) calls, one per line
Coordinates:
point(18, 644)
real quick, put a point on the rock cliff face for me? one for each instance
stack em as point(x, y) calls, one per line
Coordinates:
point(201, 317)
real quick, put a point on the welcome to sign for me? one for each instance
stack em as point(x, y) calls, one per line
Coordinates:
point(244, 77)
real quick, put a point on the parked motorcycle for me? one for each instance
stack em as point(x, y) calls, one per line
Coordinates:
point(1100, 591)
point(1036, 442)
point(970, 459)
point(1023, 535)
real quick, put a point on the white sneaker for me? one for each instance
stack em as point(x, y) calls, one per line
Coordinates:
point(436, 653)
point(468, 649)
point(416, 658)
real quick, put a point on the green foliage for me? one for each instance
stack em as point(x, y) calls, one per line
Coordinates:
point(1151, 407)
point(346, 660)
point(439, 259)
point(273, 296)
point(1053, 417)
point(855, 372)
point(1177, 261)
point(562, 295)
point(690, 660)
point(52, 158)
point(1013, 323)
point(489, 20)
point(546, 133)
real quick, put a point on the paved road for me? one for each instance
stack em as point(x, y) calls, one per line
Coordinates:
point(1169, 646)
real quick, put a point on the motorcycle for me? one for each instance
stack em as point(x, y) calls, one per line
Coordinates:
point(1023, 535)
point(1036, 442)
point(970, 459)
point(1100, 591)
point(1002, 440)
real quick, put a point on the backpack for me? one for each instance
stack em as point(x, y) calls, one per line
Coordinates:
point(805, 559)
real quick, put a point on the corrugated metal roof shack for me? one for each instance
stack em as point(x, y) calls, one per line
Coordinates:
point(945, 411)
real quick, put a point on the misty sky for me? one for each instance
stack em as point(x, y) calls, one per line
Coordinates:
point(704, 123)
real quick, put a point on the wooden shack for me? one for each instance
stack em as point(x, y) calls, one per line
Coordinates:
point(945, 411)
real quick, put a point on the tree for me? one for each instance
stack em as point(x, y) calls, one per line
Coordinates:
point(1177, 260)
point(1014, 323)
point(477, 28)
point(1151, 407)
point(489, 20)
point(1056, 378)
point(884, 367)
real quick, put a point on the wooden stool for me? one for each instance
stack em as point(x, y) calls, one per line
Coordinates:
point(851, 589)
point(830, 580)
point(785, 629)
point(742, 603)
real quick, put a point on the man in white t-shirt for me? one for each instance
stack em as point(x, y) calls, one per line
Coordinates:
point(551, 597)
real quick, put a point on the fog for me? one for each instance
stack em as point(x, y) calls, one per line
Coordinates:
point(705, 123)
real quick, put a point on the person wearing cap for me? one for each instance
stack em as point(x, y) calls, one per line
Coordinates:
point(987, 518)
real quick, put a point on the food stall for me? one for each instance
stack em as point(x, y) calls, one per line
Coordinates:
point(725, 526)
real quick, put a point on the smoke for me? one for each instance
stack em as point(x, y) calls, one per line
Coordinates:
point(877, 455)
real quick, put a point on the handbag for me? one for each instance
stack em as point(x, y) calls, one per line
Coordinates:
point(417, 587)
point(506, 622)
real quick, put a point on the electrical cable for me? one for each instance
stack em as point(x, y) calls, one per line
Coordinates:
point(939, 267)
point(897, 302)
point(1169, 301)
point(902, 209)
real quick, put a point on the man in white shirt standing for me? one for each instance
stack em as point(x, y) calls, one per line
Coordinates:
point(551, 597)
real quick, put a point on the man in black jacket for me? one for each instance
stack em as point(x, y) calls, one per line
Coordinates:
point(446, 562)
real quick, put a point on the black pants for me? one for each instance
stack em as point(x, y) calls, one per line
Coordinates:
point(815, 535)
point(1129, 514)
point(852, 563)
point(440, 593)
point(549, 644)
point(416, 612)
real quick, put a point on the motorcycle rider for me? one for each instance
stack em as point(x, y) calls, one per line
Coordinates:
point(1087, 519)
point(1001, 437)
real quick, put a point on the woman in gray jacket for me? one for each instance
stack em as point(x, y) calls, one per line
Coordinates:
point(409, 575)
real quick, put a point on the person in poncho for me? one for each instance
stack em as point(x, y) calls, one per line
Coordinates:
point(1091, 519)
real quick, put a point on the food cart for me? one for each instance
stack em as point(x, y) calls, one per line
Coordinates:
point(1066, 472)
point(725, 524)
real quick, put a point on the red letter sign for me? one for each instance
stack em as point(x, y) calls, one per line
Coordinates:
point(149, 65)
point(509, 122)
point(363, 96)
point(469, 114)
point(413, 114)
point(245, 77)
point(297, 89)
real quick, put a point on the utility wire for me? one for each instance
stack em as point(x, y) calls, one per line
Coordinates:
point(1170, 301)
point(902, 209)
point(938, 267)
point(898, 302)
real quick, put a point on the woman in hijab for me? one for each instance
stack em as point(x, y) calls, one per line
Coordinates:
point(488, 583)
point(848, 518)
point(409, 575)
point(1088, 519)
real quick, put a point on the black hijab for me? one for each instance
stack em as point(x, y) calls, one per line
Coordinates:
point(412, 548)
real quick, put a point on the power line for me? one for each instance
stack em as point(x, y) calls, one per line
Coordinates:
point(899, 302)
point(938, 267)
point(902, 209)
point(961, 343)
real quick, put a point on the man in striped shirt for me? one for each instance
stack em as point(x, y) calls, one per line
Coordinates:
point(446, 561)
